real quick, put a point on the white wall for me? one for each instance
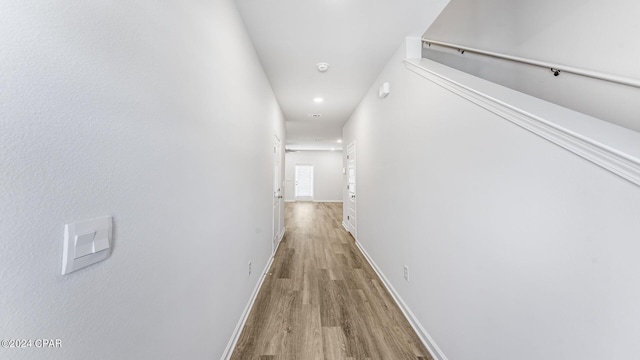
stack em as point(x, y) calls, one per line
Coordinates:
point(159, 114)
point(327, 171)
point(597, 35)
point(517, 248)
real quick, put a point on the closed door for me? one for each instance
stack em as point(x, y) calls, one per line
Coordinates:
point(304, 182)
point(351, 189)
point(277, 192)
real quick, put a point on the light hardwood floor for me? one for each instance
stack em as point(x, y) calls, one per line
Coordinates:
point(322, 300)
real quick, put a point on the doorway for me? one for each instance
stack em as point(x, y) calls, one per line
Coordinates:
point(351, 190)
point(277, 192)
point(304, 182)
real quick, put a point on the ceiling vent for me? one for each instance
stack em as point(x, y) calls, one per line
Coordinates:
point(315, 116)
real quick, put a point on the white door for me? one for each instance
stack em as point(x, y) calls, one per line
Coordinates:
point(351, 189)
point(304, 182)
point(277, 192)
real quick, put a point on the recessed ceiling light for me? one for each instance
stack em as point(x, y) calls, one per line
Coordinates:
point(322, 67)
point(318, 100)
point(339, 141)
point(333, 149)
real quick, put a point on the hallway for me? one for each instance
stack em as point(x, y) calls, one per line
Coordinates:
point(322, 300)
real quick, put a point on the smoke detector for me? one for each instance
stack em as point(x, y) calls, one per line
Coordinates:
point(322, 67)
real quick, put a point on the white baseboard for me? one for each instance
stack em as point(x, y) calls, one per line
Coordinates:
point(327, 201)
point(345, 226)
point(435, 351)
point(289, 201)
point(284, 229)
point(247, 310)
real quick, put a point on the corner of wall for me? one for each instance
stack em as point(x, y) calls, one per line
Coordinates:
point(413, 47)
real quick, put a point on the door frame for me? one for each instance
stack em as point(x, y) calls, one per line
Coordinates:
point(277, 190)
point(352, 226)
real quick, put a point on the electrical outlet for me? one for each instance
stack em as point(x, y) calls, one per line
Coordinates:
point(249, 268)
point(406, 273)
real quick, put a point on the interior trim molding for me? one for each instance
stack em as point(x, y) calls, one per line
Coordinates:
point(424, 336)
point(226, 355)
point(600, 147)
point(344, 225)
point(284, 229)
point(327, 201)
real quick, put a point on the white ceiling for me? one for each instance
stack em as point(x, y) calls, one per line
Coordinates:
point(356, 38)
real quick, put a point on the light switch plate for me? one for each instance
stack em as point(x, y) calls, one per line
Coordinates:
point(85, 243)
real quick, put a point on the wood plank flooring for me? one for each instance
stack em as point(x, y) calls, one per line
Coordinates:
point(322, 300)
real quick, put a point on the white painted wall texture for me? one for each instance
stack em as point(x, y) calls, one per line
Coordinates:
point(594, 35)
point(517, 248)
point(159, 114)
point(327, 174)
